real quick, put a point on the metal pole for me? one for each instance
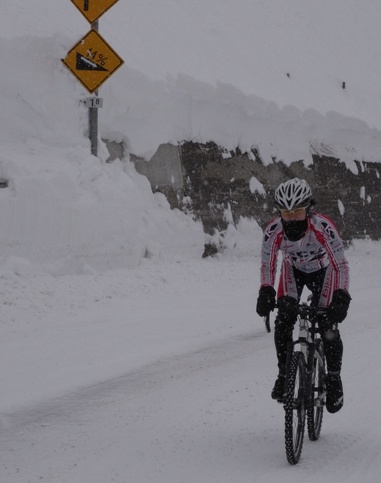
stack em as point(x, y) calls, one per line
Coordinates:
point(93, 128)
point(93, 114)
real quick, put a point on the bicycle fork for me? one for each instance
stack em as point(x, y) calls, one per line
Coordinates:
point(306, 346)
point(315, 380)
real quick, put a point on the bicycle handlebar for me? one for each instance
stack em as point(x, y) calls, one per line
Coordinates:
point(304, 310)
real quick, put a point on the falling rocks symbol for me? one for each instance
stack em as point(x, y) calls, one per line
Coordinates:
point(83, 63)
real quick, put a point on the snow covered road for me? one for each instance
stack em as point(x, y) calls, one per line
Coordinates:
point(163, 374)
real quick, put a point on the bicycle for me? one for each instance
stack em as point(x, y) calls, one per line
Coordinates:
point(305, 386)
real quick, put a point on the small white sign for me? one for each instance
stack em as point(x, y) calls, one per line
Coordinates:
point(94, 102)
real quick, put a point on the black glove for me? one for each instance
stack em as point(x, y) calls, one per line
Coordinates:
point(287, 309)
point(338, 308)
point(266, 300)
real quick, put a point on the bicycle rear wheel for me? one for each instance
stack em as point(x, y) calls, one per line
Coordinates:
point(295, 414)
point(316, 407)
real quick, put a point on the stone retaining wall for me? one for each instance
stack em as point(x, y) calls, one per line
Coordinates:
point(214, 179)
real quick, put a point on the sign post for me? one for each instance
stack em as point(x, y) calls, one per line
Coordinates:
point(93, 61)
point(93, 111)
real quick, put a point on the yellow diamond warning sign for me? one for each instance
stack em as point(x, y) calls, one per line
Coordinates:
point(92, 60)
point(93, 9)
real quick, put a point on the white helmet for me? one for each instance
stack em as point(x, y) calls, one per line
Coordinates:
point(294, 193)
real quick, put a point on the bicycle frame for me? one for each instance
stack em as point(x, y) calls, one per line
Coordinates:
point(306, 340)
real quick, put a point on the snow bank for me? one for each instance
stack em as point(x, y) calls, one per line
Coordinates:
point(67, 211)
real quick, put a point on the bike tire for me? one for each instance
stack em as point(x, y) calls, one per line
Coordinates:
point(316, 405)
point(294, 406)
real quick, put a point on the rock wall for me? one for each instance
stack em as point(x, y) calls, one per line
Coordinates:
point(214, 180)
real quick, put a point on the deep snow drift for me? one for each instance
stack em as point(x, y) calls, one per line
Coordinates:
point(215, 72)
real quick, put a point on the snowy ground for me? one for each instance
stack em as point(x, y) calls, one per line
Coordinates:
point(162, 374)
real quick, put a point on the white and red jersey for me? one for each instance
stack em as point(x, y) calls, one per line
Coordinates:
point(320, 247)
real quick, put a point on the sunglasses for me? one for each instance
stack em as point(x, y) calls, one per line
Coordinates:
point(293, 213)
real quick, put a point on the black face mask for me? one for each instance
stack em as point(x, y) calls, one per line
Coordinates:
point(295, 230)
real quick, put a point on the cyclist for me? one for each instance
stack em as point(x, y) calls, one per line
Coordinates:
point(313, 256)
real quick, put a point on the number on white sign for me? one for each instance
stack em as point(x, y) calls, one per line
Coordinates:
point(94, 102)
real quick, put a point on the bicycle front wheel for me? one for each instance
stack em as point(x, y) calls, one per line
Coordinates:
point(295, 414)
point(316, 403)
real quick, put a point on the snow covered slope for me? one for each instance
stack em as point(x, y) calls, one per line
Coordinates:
point(237, 72)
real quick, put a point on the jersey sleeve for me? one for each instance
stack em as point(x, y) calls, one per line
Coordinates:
point(271, 241)
point(331, 239)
